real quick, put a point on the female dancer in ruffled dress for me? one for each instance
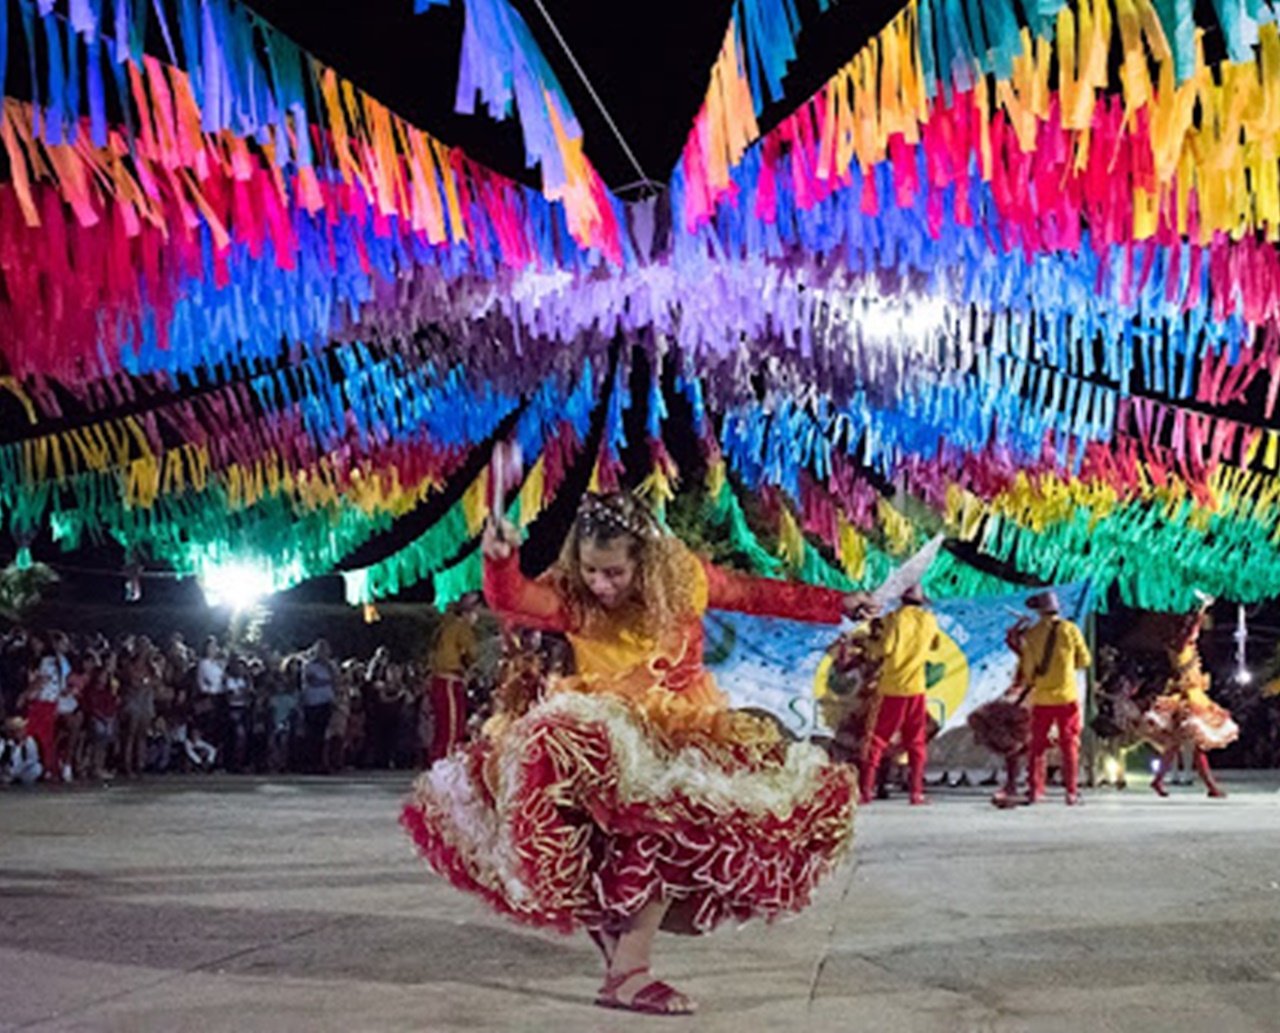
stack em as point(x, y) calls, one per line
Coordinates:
point(632, 798)
point(1185, 713)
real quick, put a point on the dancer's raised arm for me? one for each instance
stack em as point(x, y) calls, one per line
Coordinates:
point(511, 594)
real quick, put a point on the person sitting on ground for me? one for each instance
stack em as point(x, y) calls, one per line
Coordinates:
point(196, 752)
point(202, 754)
point(19, 754)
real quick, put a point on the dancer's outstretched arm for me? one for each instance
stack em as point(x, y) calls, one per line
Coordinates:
point(791, 600)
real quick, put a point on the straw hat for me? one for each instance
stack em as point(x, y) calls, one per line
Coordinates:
point(1044, 602)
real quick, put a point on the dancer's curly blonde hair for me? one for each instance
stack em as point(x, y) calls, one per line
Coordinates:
point(665, 568)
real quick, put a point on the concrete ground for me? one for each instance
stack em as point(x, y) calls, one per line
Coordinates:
point(214, 904)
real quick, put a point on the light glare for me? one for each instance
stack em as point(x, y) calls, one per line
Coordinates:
point(237, 586)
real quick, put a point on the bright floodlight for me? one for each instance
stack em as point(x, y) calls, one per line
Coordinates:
point(1244, 676)
point(237, 586)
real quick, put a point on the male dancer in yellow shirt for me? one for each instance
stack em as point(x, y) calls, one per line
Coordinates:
point(1053, 650)
point(451, 659)
point(902, 645)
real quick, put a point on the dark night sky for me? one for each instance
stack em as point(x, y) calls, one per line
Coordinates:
point(649, 62)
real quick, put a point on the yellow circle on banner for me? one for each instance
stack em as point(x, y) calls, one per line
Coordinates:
point(946, 678)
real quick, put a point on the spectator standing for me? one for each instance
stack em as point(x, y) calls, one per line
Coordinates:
point(239, 692)
point(408, 743)
point(71, 721)
point(210, 709)
point(283, 713)
point(137, 707)
point(380, 711)
point(319, 682)
point(357, 727)
point(335, 740)
point(101, 707)
point(47, 682)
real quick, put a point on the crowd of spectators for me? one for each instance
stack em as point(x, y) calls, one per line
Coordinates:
point(77, 706)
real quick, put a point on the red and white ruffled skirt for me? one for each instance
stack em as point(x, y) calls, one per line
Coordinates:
point(1209, 725)
point(581, 812)
point(1172, 720)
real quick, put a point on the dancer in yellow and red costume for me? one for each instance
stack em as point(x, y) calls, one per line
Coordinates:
point(451, 658)
point(1053, 650)
point(632, 798)
point(1185, 713)
point(903, 643)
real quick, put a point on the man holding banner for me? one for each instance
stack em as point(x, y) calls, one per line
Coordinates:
point(1053, 650)
point(903, 644)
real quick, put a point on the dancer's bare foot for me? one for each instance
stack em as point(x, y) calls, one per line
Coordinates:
point(1217, 792)
point(633, 990)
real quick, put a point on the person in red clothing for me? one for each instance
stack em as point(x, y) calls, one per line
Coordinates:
point(631, 797)
point(1053, 650)
point(903, 644)
point(101, 707)
point(451, 660)
point(48, 680)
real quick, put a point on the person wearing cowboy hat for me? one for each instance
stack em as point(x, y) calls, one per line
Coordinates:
point(1053, 650)
point(452, 657)
point(19, 754)
point(902, 645)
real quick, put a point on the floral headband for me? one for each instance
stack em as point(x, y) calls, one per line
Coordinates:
point(596, 511)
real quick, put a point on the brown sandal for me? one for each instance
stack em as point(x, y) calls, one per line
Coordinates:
point(654, 998)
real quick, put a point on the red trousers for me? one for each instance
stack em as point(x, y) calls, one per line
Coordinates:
point(1067, 717)
point(908, 715)
point(448, 695)
point(42, 724)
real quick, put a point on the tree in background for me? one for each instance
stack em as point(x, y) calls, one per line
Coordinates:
point(21, 588)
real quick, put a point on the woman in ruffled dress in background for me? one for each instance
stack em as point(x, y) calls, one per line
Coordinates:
point(632, 798)
point(1185, 713)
